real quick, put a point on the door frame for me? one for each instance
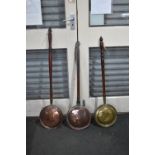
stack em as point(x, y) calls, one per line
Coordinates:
point(89, 37)
point(66, 38)
point(61, 38)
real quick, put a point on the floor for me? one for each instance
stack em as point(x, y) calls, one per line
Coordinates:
point(65, 141)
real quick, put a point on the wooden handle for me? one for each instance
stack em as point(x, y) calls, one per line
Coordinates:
point(78, 71)
point(50, 63)
point(50, 38)
point(102, 50)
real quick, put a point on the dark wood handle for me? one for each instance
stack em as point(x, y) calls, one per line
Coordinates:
point(50, 38)
point(102, 50)
point(78, 71)
point(50, 63)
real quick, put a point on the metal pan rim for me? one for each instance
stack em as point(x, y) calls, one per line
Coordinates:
point(102, 124)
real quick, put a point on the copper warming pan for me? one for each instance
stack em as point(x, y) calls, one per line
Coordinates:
point(106, 114)
point(50, 116)
point(78, 117)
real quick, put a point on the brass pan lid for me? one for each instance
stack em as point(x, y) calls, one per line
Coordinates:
point(106, 115)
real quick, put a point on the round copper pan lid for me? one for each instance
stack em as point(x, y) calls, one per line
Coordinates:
point(51, 116)
point(78, 118)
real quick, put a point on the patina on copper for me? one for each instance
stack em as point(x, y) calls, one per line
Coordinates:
point(106, 114)
point(78, 117)
point(50, 116)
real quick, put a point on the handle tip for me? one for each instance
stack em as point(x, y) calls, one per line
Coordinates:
point(84, 103)
point(101, 38)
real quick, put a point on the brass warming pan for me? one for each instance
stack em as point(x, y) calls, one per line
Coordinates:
point(106, 114)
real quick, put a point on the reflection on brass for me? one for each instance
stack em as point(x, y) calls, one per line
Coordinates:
point(51, 116)
point(78, 118)
point(106, 115)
